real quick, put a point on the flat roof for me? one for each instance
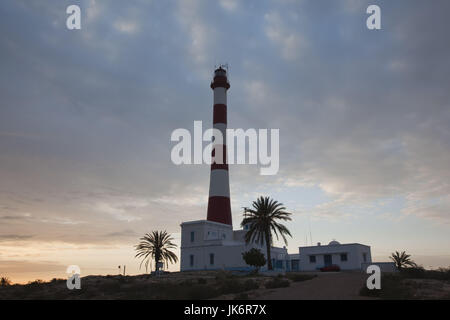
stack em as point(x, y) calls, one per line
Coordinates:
point(206, 221)
point(336, 245)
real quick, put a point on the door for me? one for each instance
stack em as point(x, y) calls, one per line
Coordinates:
point(327, 259)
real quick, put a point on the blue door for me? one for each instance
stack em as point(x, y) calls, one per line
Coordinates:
point(327, 259)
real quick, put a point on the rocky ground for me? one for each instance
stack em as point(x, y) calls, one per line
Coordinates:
point(225, 285)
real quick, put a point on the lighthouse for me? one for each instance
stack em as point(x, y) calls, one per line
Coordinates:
point(219, 207)
point(212, 244)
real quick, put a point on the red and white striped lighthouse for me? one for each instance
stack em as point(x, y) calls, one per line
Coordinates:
point(219, 208)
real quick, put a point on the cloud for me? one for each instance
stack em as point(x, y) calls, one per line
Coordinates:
point(229, 5)
point(118, 208)
point(86, 116)
point(290, 41)
point(200, 35)
point(121, 234)
point(20, 266)
point(10, 237)
point(129, 27)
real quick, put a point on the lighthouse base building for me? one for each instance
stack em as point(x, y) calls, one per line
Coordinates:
point(209, 245)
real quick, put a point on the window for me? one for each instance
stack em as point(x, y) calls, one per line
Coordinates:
point(191, 260)
point(312, 259)
point(211, 258)
point(365, 257)
point(343, 257)
point(192, 236)
point(279, 264)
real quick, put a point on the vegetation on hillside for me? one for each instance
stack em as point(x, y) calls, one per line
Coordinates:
point(196, 285)
point(411, 282)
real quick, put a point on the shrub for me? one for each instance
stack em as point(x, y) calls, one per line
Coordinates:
point(188, 282)
point(255, 258)
point(201, 281)
point(4, 282)
point(231, 286)
point(277, 283)
point(236, 286)
point(295, 277)
point(420, 273)
point(200, 292)
point(392, 287)
point(109, 287)
point(250, 285)
point(241, 296)
point(223, 275)
point(439, 274)
point(415, 272)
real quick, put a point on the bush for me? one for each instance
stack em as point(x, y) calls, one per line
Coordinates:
point(241, 296)
point(250, 285)
point(255, 258)
point(277, 283)
point(109, 287)
point(392, 287)
point(295, 277)
point(200, 292)
point(201, 281)
point(439, 274)
point(236, 286)
point(413, 272)
point(224, 275)
point(4, 282)
point(188, 282)
point(420, 273)
point(231, 286)
point(57, 280)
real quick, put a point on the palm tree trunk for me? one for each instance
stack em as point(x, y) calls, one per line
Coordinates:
point(269, 260)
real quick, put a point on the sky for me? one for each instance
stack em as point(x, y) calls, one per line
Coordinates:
point(86, 118)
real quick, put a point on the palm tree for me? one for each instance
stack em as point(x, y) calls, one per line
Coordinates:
point(402, 260)
point(4, 282)
point(262, 221)
point(156, 246)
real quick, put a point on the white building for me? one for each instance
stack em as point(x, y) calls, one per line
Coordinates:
point(350, 256)
point(209, 245)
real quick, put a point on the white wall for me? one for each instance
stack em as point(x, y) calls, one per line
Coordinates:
point(226, 245)
point(354, 253)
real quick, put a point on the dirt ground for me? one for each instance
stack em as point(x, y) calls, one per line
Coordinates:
point(326, 286)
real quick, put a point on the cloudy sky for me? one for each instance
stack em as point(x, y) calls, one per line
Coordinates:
point(86, 118)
